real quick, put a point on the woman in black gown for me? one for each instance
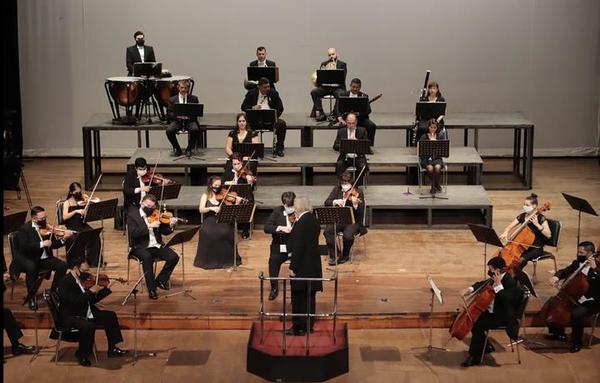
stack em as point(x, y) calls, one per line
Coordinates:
point(241, 133)
point(216, 242)
point(73, 220)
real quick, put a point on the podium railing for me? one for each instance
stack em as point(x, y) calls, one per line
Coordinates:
point(262, 313)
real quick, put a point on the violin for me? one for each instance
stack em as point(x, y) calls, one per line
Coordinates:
point(227, 197)
point(164, 217)
point(84, 200)
point(55, 231)
point(352, 193)
point(156, 179)
point(292, 217)
point(480, 301)
point(88, 280)
point(245, 173)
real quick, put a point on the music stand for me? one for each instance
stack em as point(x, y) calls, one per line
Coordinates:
point(170, 191)
point(487, 236)
point(580, 205)
point(99, 211)
point(245, 149)
point(263, 120)
point(255, 73)
point(181, 238)
point(134, 292)
point(335, 215)
point(13, 222)
point(353, 149)
point(433, 149)
point(146, 70)
point(243, 190)
point(358, 105)
point(435, 294)
point(236, 214)
point(428, 110)
point(81, 239)
point(331, 78)
point(187, 113)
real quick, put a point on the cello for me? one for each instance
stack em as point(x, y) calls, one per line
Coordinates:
point(479, 302)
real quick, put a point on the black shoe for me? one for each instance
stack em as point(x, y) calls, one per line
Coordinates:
point(162, 286)
point(33, 304)
point(575, 348)
point(176, 152)
point(470, 362)
point(432, 190)
point(331, 261)
point(489, 348)
point(273, 294)
point(293, 332)
point(320, 117)
point(559, 337)
point(370, 150)
point(20, 348)
point(83, 361)
point(188, 152)
point(343, 259)
point(438, 188)
point(280, 152)
point(116, 352)
point(152, 295)
point(245, 234)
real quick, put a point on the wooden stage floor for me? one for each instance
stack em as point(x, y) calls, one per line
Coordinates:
point(386, 287)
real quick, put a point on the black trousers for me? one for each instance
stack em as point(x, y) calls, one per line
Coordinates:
point(32, 269)
point(276, 259)
point(87, 330)
point(486, 321)
point(348, 239)
point(318, 93)
point(280, 128)
point(370, 127)
point(147, 256)
point(529, 254)
point(300, 306)
point(12, 328)
point(578, 317)
point(193, 133)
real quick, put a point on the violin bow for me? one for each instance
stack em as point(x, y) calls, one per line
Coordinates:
point(87, 205)
point(154, 169)
point(354, 184)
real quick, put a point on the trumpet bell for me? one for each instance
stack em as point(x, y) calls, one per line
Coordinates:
point(313, 78)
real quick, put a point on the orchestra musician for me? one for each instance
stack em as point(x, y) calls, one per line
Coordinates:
point(433, 95)
point(146, 244)
point(234, 174)
point(589, 303)
point(363, 120)
point(433, 165)
point(501, 312)
point(351, 132)
point(539, 226)
point(241, 133)
point(78, 310)
point(343, 194)
point(177, 123)
point(318, 92)
point(36, 252)
point(140, 52)
point(279, 225)
point(134, 188)
point(262, 61)
point(74, 221)
point(264, 97)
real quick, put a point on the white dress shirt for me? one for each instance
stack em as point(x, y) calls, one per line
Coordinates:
point(263, 101)
point(45, 253)
point(262, 63)
point(353, 95)
point(89, 314)
point(152, 242)
point(140, 189)
point(141, 50)
point(352, 133)
point(585, 272)
point(182, 99)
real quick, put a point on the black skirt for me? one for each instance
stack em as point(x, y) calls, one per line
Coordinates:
point(215, 245)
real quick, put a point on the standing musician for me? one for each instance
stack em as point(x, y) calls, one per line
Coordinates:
point(318, 92)
point(344, 194)
point(263, 97)
point(35, 247)
point(433, 95)
point(433, 165)
point(538, 225)
point(589, 303)
point(78, 310)
point(177, 123)
point(134, 188)
point(363, 120)
point(74, 221)
point(501, 312)
point(351, 132)
point(138, 53)
point(146, 244)
point(279, 225)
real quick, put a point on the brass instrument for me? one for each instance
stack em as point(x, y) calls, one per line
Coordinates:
point(330, 65)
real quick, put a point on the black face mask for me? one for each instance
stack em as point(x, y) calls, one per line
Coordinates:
point(41, 222)
point(147, 210)
point(141, 42)
point(581, 258)
point(216, 189)
point(78, 196)
point(490, 274)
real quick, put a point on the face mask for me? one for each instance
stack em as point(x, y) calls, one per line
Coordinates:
point(141, 42)
point(346, 187)
point(78, 196)
point(41, 222)
point(289, 210)
point(237, 167)
point(490, 274)
point(216, 189)
point(147, 210)
point(581, 258)
point(141, 173)
point(527, 209)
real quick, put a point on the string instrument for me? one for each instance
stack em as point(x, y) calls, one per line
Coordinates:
point(156, 179)
point(479, 303)
point(227, 197)
point(88, 280)
point(292, 217)
point(85, 199)
point(244, 173)
point(353, 191)
point(90, 198)
point(519, 240)
point(50, 230)
point(164, 217)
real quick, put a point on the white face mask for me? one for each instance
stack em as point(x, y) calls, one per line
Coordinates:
point(346, 187)
point(141, 173)
point(527, 209)
point(289, 210)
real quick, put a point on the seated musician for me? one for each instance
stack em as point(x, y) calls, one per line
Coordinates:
point(318, 92)
point(363, 120)
point(14, 331)
point(240, 134)
point(36, 252)
point(146, 244)
point(588, 304)
point(538, 225)
point(356, 200)
point(134, 188)
point(433, 165)
point(351, 132)
point(78, 310)
point(138, 53)
point(178, 123)
point(235, 173)
point(501, 312)
point(279, 225)
point(433, 95)
point(264, 97)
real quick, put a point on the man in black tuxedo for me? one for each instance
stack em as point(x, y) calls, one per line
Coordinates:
point(145, 241)
point(279, 225)
point(35, 252)
point(303, 247)
point(363, 120)
point(261, 59)
point(78, 310)
point(140, 52)
point(502, 311)
point(589, 303)
point(177, 123)
point(133, 186)
point(319, 92)
point(351, 132)
point(263, 97)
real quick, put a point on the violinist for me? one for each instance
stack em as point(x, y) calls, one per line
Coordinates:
point(501, 312)
point(146, 244)
point(589, 303)
point(236, 173)
point(279, 225)
point(216, 243)
point(433, 165)
point(344, 194)
point(35, 245)
point(538, 225)
point(134, 188)
point(78, 309)
point(73, 220)
point(351, 132)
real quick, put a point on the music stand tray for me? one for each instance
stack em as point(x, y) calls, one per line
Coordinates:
point(190, 111)
point(147, 69)
point(82, 238)
point(236, 214)
point(181, 238)
point(336, 216)
point(102, 210)
point(582, 206)
point(331, 78)
point(255, 73)
point(261, 119)
point(358, 147)
point(358, 105)
point(487, 236)
point(13, 222)
point(170, 191)
point(245, 149)
point(433, 148)
point(428, 110)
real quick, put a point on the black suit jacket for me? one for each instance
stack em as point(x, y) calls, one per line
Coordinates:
point(251, 99)
point(593, 278)
point(342, 134)
point(303, 245)
point(74, 302)
point(191, 99)
point(360, 94)
point(276, 219)
point(28, 242)
point(336, 193)
point(132, 55)
point(139, 234)
point(269, 63)
point(130, 183)
point(339, 65)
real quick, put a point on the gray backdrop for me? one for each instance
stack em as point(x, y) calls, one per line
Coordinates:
point(539, 57)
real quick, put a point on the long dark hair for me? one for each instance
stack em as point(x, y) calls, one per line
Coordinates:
point(237, 118)
point(431, 85)
point(72, 187)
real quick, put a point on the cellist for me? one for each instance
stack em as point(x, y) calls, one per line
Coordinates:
point(589, 303)
point(501, 312)
point(539, 226)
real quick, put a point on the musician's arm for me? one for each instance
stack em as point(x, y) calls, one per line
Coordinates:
point(229, 146)
point(511, 226)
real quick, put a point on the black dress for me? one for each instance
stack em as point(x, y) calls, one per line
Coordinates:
point(250, 134)
point(215, 246)
point(538, 244)
point(91, 252)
